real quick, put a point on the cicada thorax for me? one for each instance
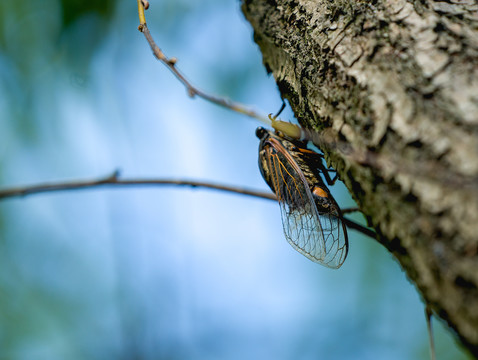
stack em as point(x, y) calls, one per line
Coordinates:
point(311, 166)
point(310, 216)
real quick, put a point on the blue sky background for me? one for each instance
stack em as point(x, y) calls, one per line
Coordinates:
point(166, 273)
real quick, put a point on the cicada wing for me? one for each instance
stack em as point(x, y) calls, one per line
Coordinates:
point(335, 239)
point(319, 237)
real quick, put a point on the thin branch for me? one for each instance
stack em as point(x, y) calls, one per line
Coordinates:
point(428, 315)
point(360, 228)
point(113, 180)
point(192, 91)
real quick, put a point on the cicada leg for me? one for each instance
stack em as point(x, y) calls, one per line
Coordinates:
point(280, 110)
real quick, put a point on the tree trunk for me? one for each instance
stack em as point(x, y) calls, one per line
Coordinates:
point(395, 84)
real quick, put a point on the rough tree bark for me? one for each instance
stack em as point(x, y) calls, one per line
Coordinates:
point(397, 82)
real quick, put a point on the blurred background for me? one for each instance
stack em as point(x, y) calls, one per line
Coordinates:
point(165, 273)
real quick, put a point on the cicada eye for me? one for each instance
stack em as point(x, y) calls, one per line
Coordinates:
point(261, 132)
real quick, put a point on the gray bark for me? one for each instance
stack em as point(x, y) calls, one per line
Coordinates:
point(395, 83)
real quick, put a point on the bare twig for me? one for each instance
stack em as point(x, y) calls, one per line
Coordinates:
point(350, 210)
point(360, 228)
point(192, 91)
point(428, 315)
point(113, 180)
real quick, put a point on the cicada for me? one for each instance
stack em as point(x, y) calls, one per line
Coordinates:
point(311, 218)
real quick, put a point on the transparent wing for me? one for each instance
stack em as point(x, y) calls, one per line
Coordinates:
point(335, 240)
point(321, 237)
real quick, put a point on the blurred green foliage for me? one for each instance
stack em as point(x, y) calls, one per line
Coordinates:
point(38, 29)
point(39, 40)
point(73, 10)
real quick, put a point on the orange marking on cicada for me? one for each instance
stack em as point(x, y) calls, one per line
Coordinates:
point(306, 151)
point(318, 191)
